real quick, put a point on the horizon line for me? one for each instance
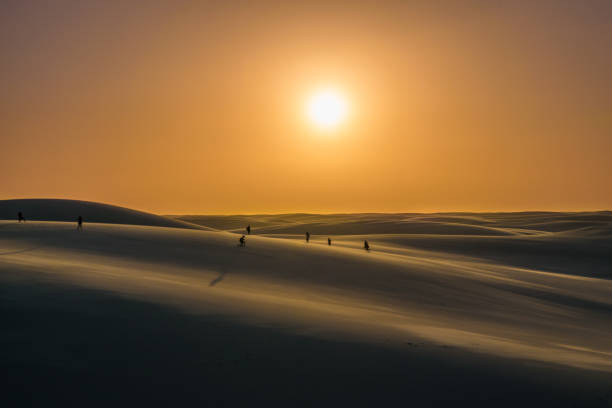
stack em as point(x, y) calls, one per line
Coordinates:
point(326, 212)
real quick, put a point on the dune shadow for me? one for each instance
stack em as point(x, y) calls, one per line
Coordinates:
point(8, 224)
point(195, 357)
point(20, 251)
point(218, 278)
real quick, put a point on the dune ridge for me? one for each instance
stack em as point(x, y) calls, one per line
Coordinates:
point(52, 209)
point(487, 224)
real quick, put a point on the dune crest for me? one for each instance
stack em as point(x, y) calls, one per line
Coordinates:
point(69, 210)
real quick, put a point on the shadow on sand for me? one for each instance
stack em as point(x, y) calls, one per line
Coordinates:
point(96, 341)
point(218, 278)
point(20, 251)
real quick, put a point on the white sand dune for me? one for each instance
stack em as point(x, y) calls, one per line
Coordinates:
point(482, 224)
point(69, 210)
point(490, 295)
point(391, 291)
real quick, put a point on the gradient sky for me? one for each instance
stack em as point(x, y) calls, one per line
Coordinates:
point(199, 107)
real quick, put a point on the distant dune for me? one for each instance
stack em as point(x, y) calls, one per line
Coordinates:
point(481, 224)
point(575, 243)
point(69, 210)
point(481, 309)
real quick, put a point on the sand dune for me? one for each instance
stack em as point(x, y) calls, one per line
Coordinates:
point(487, 224)
point(69, 210)
point(488, 296)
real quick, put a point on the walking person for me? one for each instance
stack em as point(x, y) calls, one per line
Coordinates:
point(307, 236)
point(80, 223)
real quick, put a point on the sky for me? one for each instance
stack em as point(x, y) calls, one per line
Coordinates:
point(187, 107)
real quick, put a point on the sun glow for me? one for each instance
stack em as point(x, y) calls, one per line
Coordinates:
point(327, 108)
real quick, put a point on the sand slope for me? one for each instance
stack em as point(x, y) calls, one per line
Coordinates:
point(573, 243)
point(482, 224)
point(453, 298)
point(69, 210)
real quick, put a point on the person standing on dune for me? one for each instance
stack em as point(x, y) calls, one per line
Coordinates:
point(248, 229)
point(307, 236)
point(20, 217)
point(80, 223)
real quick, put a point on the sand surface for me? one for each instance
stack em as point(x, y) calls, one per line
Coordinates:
point(488, 308)
point(69, 210)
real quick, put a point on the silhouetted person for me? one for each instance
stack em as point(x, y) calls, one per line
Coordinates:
point(366, 246)
point(80, 223)
point(242, 241)
point(329, 241)
point(248, 229)
point(20, 217)
point(307, 236)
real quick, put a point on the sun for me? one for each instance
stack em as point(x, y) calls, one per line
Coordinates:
point(327, 108)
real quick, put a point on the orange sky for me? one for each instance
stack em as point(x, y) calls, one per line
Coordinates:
point(198, 107)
